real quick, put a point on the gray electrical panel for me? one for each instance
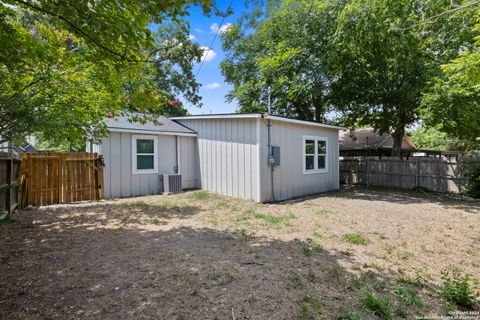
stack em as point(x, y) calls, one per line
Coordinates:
point(274, 158)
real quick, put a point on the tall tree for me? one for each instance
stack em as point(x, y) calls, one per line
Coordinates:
point(285, 49)
point(387, 54)
point(453, 103)
point(65, 66)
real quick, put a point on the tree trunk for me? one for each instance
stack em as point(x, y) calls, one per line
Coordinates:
point(397, 136)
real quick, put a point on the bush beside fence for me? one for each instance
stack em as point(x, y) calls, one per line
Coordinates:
point(435, 174)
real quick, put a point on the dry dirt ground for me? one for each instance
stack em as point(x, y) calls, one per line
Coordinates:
point(198, 255)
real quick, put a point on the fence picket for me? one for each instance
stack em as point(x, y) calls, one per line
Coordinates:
point(51, 178)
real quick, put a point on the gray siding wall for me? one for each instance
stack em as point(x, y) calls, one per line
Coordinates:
point(227, 156)
point(119, 178)
point(189, 165)
point(289, 179)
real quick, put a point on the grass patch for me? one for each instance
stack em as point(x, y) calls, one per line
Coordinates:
point(275, 221)
point(408, 299)
point(347, 316)
point(377, 305)
point(355, 238)
point(459, 291)
point(324, 212)
point(311, 246)
point(296, 280)
point(317, 234)
point(311, 306)
point(200, 195)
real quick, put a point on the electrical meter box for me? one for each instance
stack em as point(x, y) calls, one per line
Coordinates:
point(274, 157)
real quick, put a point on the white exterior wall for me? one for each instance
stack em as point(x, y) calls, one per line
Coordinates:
point(228, 157)
point(289, 178)
point(118, 174)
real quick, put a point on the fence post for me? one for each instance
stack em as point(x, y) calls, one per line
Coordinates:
point(8, 192)
point(417, 171)
point(368, 170)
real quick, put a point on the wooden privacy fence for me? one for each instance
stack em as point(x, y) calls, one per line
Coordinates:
point(54, 177)
point(435, 174)
point(9, 179)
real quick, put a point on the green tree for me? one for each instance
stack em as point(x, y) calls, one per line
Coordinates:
point(432, 138)
point(453, 103)
point(66, 66)
point(285, 49)
point(387, 54)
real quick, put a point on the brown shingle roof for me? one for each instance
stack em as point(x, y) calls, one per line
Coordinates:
point(367, 138)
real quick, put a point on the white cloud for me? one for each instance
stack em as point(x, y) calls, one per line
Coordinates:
point(208, 55)
point(211, 86)
point(191, 37)
point(224, 28)
point(198, 30)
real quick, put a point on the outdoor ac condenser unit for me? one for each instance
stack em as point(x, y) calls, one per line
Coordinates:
point(172, 183)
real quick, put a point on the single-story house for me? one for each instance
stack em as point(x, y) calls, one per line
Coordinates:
point(252, 156)
point(368, 142)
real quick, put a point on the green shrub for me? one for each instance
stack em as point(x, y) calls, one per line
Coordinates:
point(459, 291)
point(377, 305)
point(473, 186)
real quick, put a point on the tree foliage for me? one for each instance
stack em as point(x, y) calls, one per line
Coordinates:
point(285, 50)
point(65, 66)
point(369, 61)
point(453, 103)
point(388, 52)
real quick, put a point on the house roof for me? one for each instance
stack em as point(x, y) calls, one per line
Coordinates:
point(256, 115)
point(367, 138)
point(166, 126)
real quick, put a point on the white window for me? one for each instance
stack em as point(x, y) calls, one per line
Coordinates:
point(144, 154)
point(314, 154)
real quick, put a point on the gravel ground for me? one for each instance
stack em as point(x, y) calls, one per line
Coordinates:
point(197, 255)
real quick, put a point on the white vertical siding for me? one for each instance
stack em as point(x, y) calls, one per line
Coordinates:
point(119, 179)
point(289, 180)
point(227, 155)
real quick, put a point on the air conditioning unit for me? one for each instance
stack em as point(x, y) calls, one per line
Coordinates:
point(172, 183)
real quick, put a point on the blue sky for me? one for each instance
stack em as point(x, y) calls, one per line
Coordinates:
point(202, 30)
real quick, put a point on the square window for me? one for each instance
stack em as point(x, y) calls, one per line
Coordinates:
point(144, 154)
point(315, 154)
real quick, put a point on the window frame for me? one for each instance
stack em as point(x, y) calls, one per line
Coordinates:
point(315, 154)
point(136, 137)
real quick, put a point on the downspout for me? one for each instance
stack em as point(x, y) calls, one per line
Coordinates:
point(269, 145)
point(175, 169)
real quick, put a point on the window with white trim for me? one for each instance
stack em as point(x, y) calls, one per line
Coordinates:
point(314, 154)
point(144, 154)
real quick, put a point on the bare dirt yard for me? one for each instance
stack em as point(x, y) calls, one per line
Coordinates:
point(354, 254)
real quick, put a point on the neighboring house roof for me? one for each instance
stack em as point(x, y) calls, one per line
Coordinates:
point(256, 115)
point(26, 148)
point(166, 126)
point(367, 138)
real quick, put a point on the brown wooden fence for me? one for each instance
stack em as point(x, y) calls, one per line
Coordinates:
point(9, 179)
point(54, 177)
point(435, 174)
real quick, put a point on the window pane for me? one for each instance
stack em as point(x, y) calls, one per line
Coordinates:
point(322, 147)
point(309, 162)
point(145, 162)
point(144, 146)
point(309, 146)
point(321, 162)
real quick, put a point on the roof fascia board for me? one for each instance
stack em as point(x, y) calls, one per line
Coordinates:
point(167, 133)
